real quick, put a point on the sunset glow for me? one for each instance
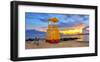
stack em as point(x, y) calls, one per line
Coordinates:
point(75, 31)
point(78, 29)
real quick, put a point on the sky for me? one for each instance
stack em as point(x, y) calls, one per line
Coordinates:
point(40, 20)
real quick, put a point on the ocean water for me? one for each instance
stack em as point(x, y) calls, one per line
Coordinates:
point(30, 34)
point(84, 37)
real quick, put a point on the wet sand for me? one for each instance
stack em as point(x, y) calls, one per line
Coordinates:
point(62, 44)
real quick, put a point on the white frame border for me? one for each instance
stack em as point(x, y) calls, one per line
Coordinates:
point(22, 52)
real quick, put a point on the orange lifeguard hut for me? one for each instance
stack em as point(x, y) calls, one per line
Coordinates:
point(53, 34)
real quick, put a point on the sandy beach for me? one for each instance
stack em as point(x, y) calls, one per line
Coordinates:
point(62, 44)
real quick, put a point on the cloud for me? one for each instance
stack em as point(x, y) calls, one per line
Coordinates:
point(65, 20)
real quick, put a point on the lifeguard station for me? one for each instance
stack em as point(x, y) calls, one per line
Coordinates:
point(53, 34)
